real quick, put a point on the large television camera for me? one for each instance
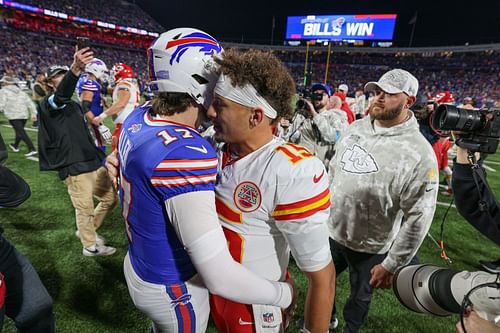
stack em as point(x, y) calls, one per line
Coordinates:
point(441, 292)
point(480, 128)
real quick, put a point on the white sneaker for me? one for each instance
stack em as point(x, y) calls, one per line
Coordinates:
point(14, 149)
point(99, 240)
point(98, 250)
point(334, 323)
point(31, 153)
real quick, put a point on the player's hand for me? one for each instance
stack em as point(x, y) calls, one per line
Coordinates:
point(105, 133)
point(381, 278)
point(80, 59)
point(475, 324)
point(112, 164)
point(96, 121)
point(290, 311)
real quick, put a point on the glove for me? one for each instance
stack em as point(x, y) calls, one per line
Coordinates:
point(105, 133)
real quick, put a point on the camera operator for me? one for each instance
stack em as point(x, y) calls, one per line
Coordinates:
point(476, 202)
point(314, 126)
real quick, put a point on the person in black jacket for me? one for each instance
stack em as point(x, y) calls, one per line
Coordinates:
point(476, 203)
point(66, 145)
point(23, 297)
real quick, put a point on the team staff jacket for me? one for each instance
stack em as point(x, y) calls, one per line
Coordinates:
point(467, 198)
point(15, 104)
point(267, 202)
point(381, 177)
point(63, 138)
point(318, 134)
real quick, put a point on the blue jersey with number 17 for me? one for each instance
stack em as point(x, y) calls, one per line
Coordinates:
point(158, 161)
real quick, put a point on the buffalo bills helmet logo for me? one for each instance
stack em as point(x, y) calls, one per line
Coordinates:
point(206, 43)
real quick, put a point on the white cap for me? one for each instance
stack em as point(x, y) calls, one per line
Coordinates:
point(395, 81)
point(344, 88)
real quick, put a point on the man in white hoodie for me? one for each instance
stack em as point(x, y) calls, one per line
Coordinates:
point(384, 172)
point(17, 107)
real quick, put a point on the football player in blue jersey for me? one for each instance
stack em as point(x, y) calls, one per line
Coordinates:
point(89, 92)
point(177, 249)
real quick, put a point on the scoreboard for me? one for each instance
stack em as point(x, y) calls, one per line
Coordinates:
point(378, 27)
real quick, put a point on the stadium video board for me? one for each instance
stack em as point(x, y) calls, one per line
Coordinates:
point(341, 27)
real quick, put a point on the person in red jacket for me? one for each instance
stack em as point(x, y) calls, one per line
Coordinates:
point(342, 92)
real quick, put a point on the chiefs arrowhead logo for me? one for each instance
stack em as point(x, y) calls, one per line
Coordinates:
point(357, 160)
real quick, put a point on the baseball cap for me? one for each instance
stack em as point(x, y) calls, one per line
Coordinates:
point(344, 88)
point(395, 81)
point(54, 70)
point(320, 86)
point(7, 79)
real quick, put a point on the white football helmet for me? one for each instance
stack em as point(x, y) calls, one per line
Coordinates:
point(97, 67)
point(180, 60)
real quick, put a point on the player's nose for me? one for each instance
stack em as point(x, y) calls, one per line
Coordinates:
point(211, 113)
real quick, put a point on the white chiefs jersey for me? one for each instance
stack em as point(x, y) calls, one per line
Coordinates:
point(278, 190)
point(133, 101)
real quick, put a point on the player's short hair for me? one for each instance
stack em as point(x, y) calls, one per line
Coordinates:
point(170, 103)
point(265, 72)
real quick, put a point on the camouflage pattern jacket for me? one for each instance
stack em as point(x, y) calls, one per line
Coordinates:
point(384, 184)
point(318, 134)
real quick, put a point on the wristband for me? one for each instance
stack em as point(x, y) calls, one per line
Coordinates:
point(103, 115)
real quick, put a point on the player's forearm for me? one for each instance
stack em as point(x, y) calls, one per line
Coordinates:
point(237, 283)
point(89, 115)
point(207, 248)
point(319, 299)
point(115, 109)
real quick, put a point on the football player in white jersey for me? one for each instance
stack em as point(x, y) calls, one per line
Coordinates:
point(126, 97)
point(271, 196)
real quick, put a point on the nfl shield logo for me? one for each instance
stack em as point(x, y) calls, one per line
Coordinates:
point(268, 317)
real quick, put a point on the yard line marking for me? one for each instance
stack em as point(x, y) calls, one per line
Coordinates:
point(26, 128)
point(489, 168)
point(445, 204)
point(485, 165)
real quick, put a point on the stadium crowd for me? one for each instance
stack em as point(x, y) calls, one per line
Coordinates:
point(110, 11)
point(474, 75)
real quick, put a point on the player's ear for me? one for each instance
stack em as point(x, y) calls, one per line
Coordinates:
point(257, 116)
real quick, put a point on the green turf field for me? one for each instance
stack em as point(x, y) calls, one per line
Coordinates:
point(90, 294)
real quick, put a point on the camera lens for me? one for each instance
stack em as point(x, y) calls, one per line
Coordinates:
point(449, 117)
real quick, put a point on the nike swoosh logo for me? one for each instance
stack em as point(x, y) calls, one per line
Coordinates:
point(201, 149)
point(242, 322)
point(318, 178)
point(428, 189)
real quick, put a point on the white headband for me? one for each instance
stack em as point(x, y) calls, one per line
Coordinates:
point(246, 95)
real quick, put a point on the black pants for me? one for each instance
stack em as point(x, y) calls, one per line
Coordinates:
point(18, 125)
point(359, 264)
point(27, 301)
